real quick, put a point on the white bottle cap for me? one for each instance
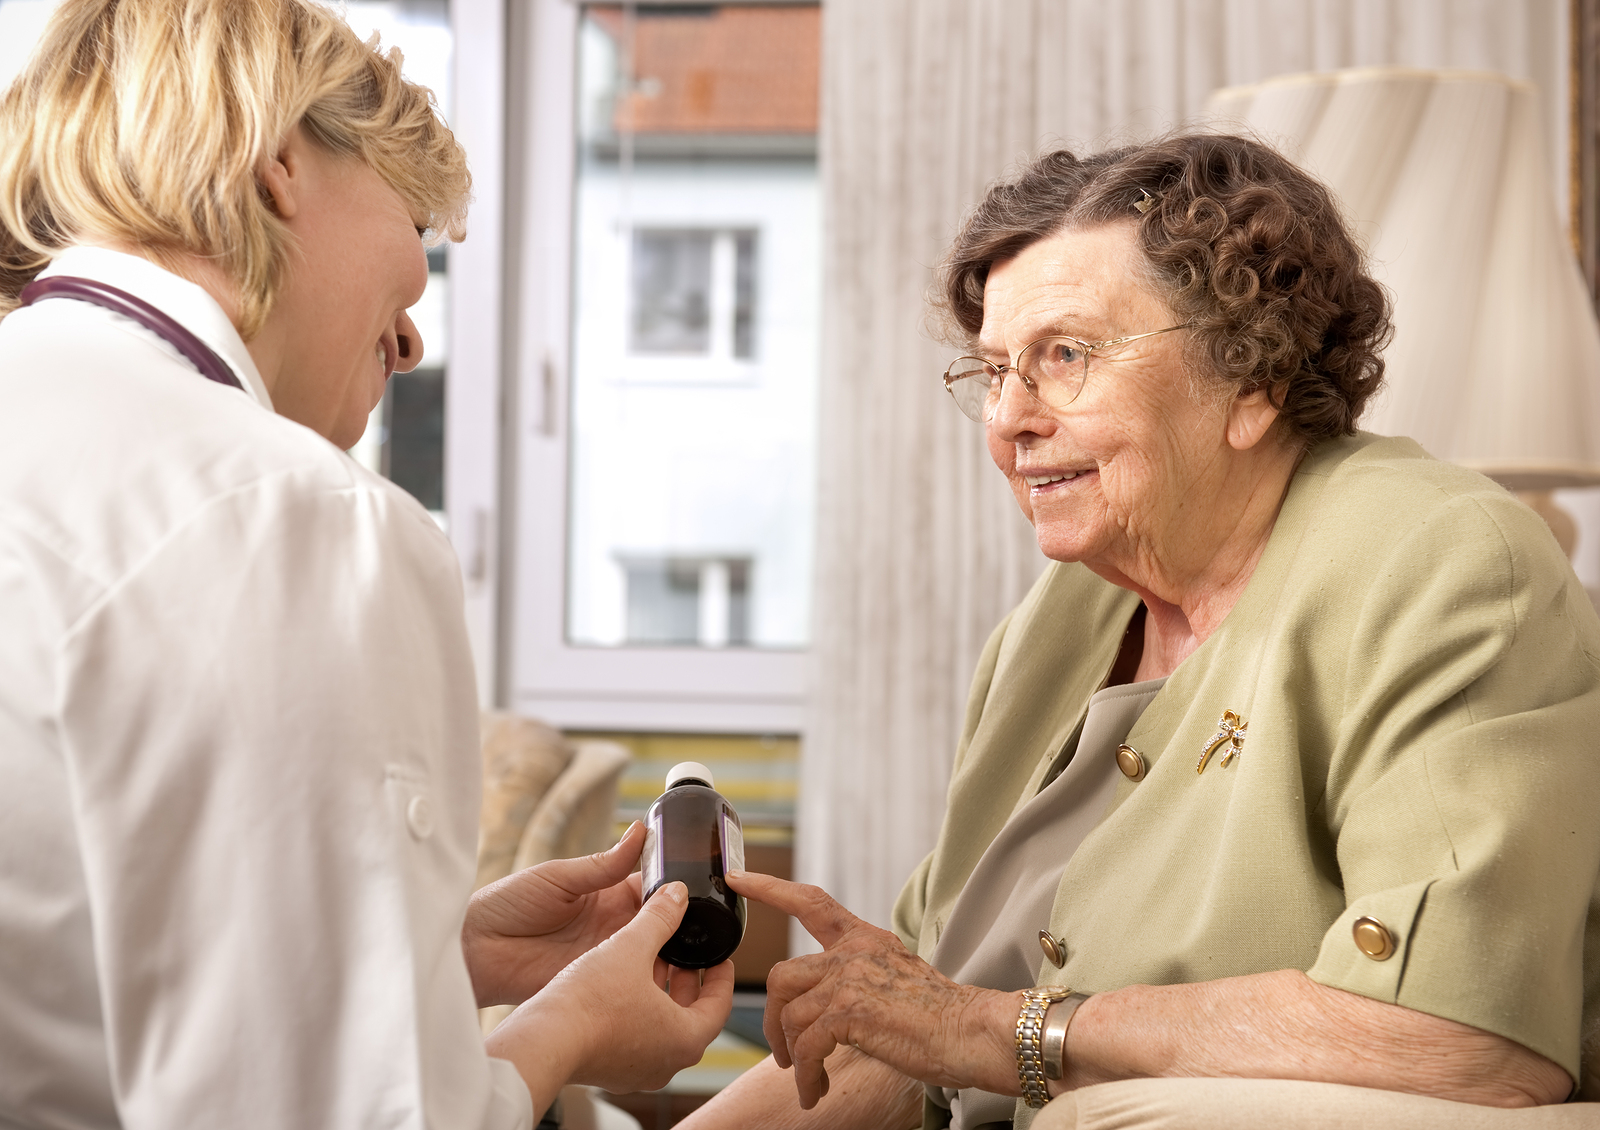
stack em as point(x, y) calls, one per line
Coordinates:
point(686, 770)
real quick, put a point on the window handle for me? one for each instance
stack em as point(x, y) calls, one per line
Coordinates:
point(547, 397)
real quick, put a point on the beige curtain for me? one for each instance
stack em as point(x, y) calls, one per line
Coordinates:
point(920, 549)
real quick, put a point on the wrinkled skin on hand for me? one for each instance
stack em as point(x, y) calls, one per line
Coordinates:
point(619, 1017)
point(520, 932)
point(867, 991)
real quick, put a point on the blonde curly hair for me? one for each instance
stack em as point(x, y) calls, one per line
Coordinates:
point(147, 121)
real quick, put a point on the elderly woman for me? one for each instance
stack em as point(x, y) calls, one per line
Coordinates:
point(1285, 771)
point(238, 723)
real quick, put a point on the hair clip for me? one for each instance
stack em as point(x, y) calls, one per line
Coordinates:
point(1144, 203)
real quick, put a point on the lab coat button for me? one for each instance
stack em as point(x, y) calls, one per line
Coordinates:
point(1053, 948)
point(1131, 762)
point(1373, 938)
point(419, 817)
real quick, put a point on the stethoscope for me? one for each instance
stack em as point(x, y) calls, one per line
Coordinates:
point(198, 353)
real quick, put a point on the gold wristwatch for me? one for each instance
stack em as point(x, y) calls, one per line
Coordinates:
point(1042, 1039)
point(1031, 1067)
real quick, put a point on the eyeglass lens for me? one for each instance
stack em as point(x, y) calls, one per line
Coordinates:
point(1053, 368)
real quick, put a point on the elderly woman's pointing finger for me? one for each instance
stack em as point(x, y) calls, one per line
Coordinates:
point(865, 990)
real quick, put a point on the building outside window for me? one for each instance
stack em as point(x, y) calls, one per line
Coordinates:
point(696, 287)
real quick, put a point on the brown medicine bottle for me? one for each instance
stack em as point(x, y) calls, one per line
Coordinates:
point(693, 836)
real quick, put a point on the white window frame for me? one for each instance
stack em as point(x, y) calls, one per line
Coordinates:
point(473, 455)
point(507, 440)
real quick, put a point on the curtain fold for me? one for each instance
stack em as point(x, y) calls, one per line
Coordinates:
point(920, 548)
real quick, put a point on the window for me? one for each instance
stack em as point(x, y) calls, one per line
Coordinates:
point(671, 292)
point(685, 441)
point(693, 292)
point(688, 601)
point(664, 333)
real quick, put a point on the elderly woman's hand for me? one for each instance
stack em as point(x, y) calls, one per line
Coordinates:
point(866, 990)
point(523, 930)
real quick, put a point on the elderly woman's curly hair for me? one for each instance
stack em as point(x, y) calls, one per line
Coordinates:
point(1247, 248)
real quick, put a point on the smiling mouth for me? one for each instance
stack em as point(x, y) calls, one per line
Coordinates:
point(1036, 481)
point(386, 358)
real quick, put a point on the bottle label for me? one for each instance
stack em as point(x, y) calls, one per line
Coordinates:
point(732, 842)
point(652, 863)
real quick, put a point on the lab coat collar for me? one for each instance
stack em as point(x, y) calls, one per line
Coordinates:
point(178, 298)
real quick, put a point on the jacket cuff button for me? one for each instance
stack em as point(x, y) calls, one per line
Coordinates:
point(1373, 938)
point(1053, 948)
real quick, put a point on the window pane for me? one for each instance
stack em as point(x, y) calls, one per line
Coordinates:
point(414, 434)
point(688, 601)
point(663, 601)
point(671, 291)
point(696, 277)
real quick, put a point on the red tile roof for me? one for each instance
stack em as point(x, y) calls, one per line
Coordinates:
point(732, 69)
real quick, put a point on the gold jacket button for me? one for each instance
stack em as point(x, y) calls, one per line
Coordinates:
point(1373, 938)
point(1131, 762)
point(1055, 950)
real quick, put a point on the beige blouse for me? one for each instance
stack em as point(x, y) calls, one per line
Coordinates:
point(992, 936)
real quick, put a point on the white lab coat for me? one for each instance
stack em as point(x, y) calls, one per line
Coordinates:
point(238, 752)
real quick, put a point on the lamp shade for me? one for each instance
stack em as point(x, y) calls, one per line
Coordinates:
point(1495, 362)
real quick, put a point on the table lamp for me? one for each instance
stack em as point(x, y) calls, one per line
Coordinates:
point(1495, 362)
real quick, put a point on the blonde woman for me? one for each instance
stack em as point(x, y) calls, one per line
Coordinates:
point(237, 716)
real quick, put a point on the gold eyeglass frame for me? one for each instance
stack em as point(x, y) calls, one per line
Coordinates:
point(998, 372)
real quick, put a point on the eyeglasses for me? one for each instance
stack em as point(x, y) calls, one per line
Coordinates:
point(1052, 369)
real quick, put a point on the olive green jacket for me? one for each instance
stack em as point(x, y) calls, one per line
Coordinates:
point(1417, 667)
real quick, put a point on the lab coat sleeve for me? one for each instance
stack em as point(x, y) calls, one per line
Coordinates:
point(270, 728)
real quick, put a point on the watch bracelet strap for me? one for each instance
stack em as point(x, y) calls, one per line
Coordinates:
point(1030, 1042)
point(1057, 1019)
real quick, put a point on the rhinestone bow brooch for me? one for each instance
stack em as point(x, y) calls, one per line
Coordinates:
point(1230, 733)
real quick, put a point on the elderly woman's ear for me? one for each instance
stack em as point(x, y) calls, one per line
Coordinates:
point(1250, 417)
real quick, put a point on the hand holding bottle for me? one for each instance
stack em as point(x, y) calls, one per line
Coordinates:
point(523, 930)
point(618, 1017)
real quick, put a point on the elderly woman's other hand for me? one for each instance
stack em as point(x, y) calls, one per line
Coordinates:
point(523, 930)
point(866, 990)
point(618, 1017)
